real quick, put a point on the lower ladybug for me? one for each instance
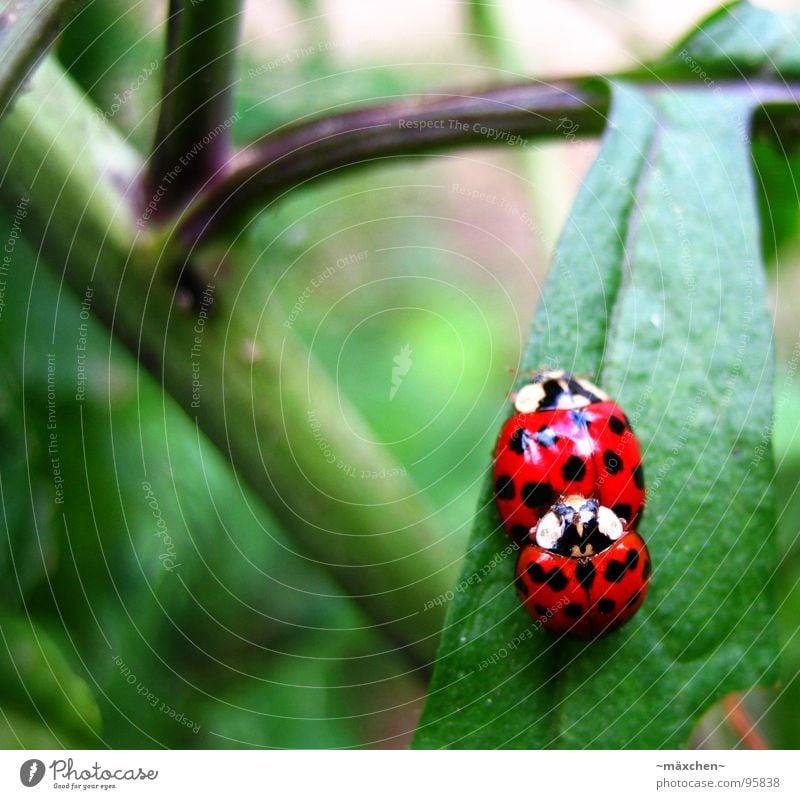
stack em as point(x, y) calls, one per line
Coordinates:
point(585, 571)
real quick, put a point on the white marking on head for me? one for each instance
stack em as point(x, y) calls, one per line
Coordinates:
point(548, 531)
point(608, 523)
point(527, 399)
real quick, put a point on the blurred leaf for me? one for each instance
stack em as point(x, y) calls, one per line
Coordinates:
point(452, 313)
point(780, 722)
point(327, 689)
point(115, 54)
point(180, 625)
point(787, 421)
point(777, 174)
point(27, 519)
point(18, 731)
point(657, 287)
point(37, 683)
point(292, 704)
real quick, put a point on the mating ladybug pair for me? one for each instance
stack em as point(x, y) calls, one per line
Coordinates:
point(569, 485)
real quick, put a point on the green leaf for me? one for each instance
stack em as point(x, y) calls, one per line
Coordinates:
point(27, 31)
point(743, 40)
point(38, 684)
point(658, 290)
point(739, 38)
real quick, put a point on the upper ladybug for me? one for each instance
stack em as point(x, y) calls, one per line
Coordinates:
point(566, 437)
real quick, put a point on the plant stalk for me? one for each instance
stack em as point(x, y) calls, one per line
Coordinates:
point(193, 142)
point(297, 155)
point(505, 116)
point(261, 399)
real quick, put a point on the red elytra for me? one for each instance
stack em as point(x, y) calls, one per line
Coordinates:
point(581, 594)
point(566, 437)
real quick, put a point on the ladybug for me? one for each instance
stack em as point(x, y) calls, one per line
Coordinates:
point(585, 571)
point(566, 437)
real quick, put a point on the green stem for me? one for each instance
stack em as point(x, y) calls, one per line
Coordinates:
point(265, 404)
point(193, 135)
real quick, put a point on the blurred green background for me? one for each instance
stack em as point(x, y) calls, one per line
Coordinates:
point(246, 642)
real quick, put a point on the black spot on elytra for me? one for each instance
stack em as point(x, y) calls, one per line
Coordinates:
point(638, 475)
point(534, 495)
point(585, 572)
point(536, 573)
point(520, 441)
point(605, 606)
point(522, 589)
point(616, 569)
point(504, 487)
point(647, 568)
point(573, 610)
point(617, 425)
point(612, 461)
point(546, 437)
point(555, 579)
point(541, 610)
point(519, 532)
point(633, 600)
point(623, 510)
point(574, 469)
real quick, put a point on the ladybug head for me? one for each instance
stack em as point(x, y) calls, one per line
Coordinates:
point(557, 390)
point(578, 527)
